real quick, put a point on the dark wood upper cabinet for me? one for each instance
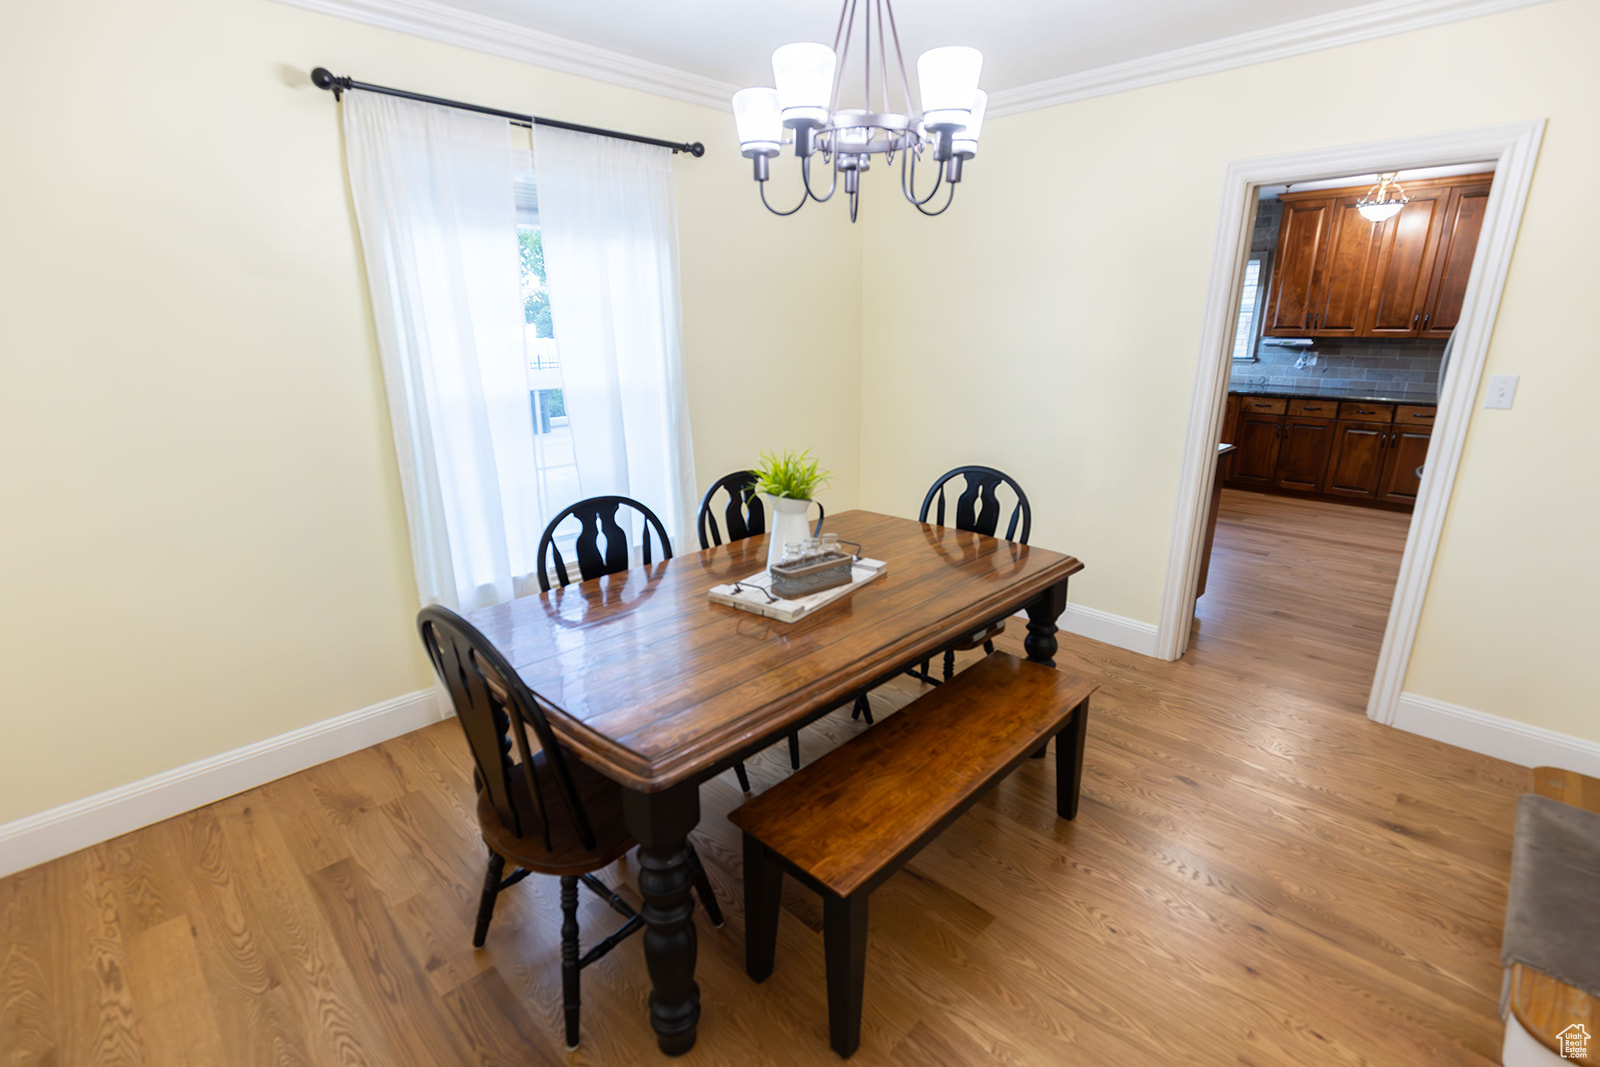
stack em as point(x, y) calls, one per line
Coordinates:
point(1301, 243)
point(1339, 275)
point(1303, 453)
point(1452, 263)
point(1355, 462)
point(1407, 451)
point(1405, 261)
point(1256, 461)
point(1344, 278)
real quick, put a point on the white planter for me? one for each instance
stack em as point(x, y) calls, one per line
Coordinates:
point(789, 523)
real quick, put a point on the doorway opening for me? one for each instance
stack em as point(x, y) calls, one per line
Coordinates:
point(1337, 292)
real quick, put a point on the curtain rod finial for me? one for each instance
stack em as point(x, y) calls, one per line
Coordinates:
point(323, 78)
point(697, 150)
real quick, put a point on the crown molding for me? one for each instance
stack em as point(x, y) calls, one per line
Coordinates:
point(439, 21)
point(1349, 26)
point(450, 25)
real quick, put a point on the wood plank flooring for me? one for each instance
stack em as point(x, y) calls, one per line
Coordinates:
point(1258, 875)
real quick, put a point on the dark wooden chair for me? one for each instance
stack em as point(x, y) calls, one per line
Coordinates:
point(977, 510)
point(597, 517)
point(539, 810)
point(745, 516)
point(847, 822)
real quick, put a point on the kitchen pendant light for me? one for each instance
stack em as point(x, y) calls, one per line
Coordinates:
point(805, 103)
point(1384, 200)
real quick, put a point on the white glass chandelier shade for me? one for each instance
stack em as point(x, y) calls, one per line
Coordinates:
point(948, 78)
point(1384, 200)
point(756, 114)
point(966, 142)
point(803, 74)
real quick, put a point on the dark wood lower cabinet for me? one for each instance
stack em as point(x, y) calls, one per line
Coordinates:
point(1255, 464)
point(1303, 445)
point(1355, 466)
point(1364, 458)
point(1407, 451)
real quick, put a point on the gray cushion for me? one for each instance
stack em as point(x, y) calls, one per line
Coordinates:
point(1553, 911)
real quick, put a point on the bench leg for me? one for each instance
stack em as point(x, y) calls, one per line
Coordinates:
point(1069, 762)
point(763, 893)
point(844, 937)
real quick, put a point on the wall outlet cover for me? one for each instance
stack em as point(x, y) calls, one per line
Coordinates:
point(1502, 391)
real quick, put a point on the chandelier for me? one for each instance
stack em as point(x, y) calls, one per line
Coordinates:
point(806, 103)
point(1384, 200)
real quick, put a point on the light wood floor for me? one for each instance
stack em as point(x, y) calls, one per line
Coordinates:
point(1258, 875)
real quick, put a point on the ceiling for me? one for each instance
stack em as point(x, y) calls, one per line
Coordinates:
point(1023, 41)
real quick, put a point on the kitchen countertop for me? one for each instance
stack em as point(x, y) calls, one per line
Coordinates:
point(1301, 394)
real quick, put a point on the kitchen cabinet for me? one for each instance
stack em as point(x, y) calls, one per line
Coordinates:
point(1230, 430)
point(1255, 464)
point(1345, 276)
point(1339, 275)
point(1405, 257)
point(1447, 287)
point(1355, 461)
point(1303, 445)
point(1365, 411)
point(1301, 244)
point(1407, 451)
point(1355, 450)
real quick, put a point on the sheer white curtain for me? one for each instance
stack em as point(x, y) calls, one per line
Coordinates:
point(435, 206)
point(609, 219)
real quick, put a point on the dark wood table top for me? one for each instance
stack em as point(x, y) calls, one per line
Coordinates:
point(652, 683)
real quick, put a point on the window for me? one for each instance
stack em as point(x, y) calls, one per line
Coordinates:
point(1251, 301)
point(554, 459)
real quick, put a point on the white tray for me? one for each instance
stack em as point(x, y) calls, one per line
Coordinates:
point(752, 598)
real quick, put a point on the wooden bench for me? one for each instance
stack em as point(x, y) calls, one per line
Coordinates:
point(847, 822)
point(1538, 1007)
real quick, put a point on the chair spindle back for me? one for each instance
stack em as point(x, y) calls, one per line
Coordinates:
point(495, 708)
point(978, 507)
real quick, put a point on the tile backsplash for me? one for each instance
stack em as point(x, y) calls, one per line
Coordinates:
point(1406, 369)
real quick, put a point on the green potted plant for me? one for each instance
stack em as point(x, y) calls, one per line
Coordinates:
point(790, 480)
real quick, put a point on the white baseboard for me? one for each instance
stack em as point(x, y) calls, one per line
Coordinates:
point(1517, 742)
point(1103, 626)
point(59, 831)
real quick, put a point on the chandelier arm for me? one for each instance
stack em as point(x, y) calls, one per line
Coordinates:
point(909, 187)
point(866, 59)
point(838, 70)
point(838, 31)
point(883, 56)
point(947, 202)
point(905, 82)
point(775, 211)
point(805, 178)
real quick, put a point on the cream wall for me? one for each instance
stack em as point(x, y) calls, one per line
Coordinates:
point(1059, 309)
point(202, 541)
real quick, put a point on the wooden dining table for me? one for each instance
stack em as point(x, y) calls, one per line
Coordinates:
point(659, 689)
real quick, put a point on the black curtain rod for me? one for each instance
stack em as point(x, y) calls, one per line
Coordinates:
point(323, 78)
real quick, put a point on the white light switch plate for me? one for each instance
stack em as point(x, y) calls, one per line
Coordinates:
point(1502, 390)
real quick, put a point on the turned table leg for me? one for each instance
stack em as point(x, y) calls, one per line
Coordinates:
point(661, 823)
point(1041, 643)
